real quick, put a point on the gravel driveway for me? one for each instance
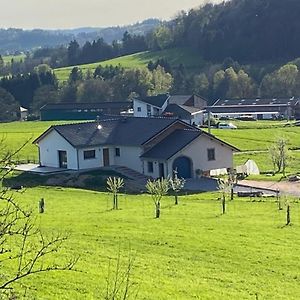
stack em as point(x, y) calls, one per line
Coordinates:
point(285, 187)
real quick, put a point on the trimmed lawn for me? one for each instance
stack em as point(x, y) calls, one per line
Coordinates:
point(192, 252)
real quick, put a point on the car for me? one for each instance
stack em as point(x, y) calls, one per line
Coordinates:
point(226, 126)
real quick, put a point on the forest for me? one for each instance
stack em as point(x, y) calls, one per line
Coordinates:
point(249, 49)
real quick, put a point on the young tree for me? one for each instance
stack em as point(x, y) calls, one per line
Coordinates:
point(24, 249)
point(288, 213)
point(279, 155)
point(119, 282)
point(157, 188)
point(231, 182)
point(176, 185)
point(114, 184)
point(224, 188)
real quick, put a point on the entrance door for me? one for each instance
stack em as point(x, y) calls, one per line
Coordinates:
point(105, 157)
point(62, 159)
point(161, 170)
point(183, 166)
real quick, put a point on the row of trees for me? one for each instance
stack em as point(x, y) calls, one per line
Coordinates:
point(109, 83)
point(99, 50)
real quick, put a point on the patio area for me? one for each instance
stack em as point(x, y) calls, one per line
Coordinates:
point(37, 169)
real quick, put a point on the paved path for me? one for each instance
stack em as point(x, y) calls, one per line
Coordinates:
point(285, 187)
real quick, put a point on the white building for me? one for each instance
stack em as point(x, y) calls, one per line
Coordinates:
point(189, 108)
point(151, 146)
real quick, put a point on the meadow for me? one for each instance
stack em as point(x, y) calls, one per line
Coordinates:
point(175, 57)
point(16, 58)
point(191, 252)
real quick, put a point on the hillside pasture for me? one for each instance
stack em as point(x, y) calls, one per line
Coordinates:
point(7, 58)
point(192, 252)
point(15, 134)
point(175, 57)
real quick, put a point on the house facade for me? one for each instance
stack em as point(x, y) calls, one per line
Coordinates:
point(189, 108)
point(151, 146)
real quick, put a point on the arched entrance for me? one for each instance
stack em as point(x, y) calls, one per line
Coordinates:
point(183, 166)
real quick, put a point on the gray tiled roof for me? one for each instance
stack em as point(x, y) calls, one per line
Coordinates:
point(157, 100)
point(256, 102)
point(111, 104)
point(179, 99)
point(180, 111)
point(173, 143)
point(128, 131)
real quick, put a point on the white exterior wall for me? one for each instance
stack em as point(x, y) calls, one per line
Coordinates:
point(91, 162)
point(198, 118)
point(142, 105)
point(49, 147)
point(197, 152)
point(155, 173)
point(129, 157)
point(143, 113)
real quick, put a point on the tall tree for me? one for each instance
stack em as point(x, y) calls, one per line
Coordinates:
point(9, 108)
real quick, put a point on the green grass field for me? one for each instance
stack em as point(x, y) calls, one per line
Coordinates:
point(192, 252)
point(15, 134)
point(175, 57)
point(17, 58)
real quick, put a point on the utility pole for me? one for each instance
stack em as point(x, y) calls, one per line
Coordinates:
point(208, 121)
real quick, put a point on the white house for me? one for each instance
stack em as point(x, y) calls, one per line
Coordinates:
point(23, 113)
point(189, 108)
point(151, 106)
point(151, 146)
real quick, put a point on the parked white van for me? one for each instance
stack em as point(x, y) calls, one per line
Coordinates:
point(226, 126)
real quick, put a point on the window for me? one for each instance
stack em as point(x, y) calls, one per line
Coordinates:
point(89, 154)
point(117, 152)
point(148, 110)
point(211, 154)
point(139, 109)
point(150, 167)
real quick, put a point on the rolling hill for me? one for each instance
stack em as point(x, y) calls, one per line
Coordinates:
point(186, 56)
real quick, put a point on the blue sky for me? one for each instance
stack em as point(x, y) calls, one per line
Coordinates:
point(52, 14)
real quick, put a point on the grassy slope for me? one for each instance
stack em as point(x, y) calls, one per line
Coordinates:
point(190, 253)
point(17, 58)
point(188, 57)
point(15, 134)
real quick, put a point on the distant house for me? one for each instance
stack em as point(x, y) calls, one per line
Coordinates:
point(189, 108)
point(189, 114)
point(151, 146)
point(260, 109)
point(23, 113)
point(82, 111)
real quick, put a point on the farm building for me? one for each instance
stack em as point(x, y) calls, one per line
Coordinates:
point(189, 108)
point(82, 111)
point(257, 108)
point(151, 146)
